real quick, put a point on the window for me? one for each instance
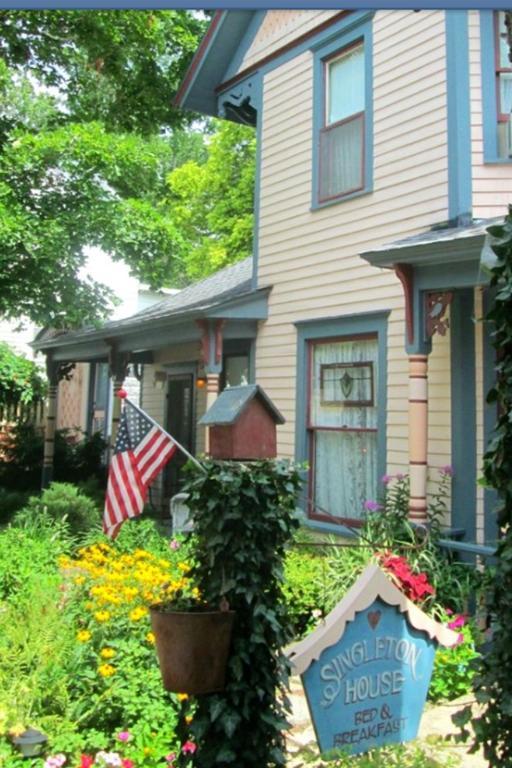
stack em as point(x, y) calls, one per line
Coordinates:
point(342, 426)
point(342, 137)
point(342, 116)
point(503, 85)
point(341, 415)
point(496, 87)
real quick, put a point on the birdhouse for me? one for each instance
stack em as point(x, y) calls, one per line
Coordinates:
point(242, 423)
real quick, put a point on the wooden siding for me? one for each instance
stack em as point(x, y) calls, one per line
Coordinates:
point(73, 398)
point(311, 258)
point(280, 28)
point(492, 182)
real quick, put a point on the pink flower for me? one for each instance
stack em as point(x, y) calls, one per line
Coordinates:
point(126, 763)
point(124, 736)
point(174, 544)
point(385, 479)
point(400, 476)
point(458, 622)
point(55, 761)
point(171, 757)
point(446, 471)
point(460, 639)
point(86, 761)
point(372, 506)
point(188, 748)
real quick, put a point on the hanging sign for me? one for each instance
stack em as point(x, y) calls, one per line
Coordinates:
point(367, 668)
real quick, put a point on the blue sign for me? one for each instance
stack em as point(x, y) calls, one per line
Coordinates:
point(369, 689)
point(366, 669)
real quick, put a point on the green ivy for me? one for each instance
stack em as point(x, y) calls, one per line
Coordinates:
point(493, 683)
point(244, 515)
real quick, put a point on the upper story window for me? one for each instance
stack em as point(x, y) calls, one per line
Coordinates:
point(342, 137)
point(503, 85)
point(496, 70)
point(342, 116)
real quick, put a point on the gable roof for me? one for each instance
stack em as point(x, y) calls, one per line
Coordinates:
point(228, 285)
point(231, 403)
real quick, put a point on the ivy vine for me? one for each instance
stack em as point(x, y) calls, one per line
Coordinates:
point(244, 515)
point(493, 683)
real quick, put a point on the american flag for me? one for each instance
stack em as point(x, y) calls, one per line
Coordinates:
point(141, 450)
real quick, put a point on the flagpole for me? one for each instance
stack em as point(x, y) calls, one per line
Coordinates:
point(156, 424)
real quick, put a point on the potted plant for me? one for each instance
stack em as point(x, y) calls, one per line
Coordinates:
point(192, 640)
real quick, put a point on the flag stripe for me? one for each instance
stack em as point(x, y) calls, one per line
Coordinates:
point(141, 450)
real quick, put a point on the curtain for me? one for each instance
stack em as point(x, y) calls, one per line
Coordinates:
point(346, 91)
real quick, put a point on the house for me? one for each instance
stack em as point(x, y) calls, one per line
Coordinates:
point(384, 151)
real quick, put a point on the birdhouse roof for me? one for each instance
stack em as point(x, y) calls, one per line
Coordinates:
point(232, 402)
point(372, 584)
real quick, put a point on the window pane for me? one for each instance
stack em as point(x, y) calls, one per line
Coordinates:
point(343, 380)
point(341, 159)
point(505, 92)
point(345, 472)
point(345, 94)
point(503, 45)
point(236, 370)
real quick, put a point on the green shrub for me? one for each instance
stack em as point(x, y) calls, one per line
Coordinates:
point(77, 457)
point(410, 755)
point(454, 667)
point(61, 501)
point(11, 502)
point(303, 589)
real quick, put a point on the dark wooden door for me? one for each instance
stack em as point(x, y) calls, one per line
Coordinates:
point(180, 425)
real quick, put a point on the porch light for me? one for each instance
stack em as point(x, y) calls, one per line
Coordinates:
point(159, 379)
point(30, 742)
point(201, 382)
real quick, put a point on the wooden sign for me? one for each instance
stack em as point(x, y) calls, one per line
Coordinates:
point(367, 668)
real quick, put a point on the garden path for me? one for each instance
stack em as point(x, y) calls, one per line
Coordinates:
point(436, 727)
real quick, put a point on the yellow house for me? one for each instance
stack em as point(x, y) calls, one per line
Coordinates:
point(384, 151)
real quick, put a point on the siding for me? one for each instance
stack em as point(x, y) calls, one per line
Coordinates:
point(280, 28)
point(492, 183)
point(311, 258)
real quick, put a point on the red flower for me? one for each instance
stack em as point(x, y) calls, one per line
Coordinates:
point(127, 763)
point(86, 761)
point(188, 748)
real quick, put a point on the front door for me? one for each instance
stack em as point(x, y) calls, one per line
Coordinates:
point(179, 425)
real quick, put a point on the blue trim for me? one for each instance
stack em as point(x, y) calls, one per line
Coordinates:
point(489, 102)
point(245, 44)
point(237, 4)
point(257, 190)
point(355, 27)
point(490, 417)
point(349, 325)
point(463, 402)
point(458, 107)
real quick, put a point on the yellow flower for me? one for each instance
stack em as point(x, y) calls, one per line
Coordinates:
point(182, 696)
point(102, 615)
point(83, 636)
point(79, 580)
point(106, 670)
point(17, 729)
point(137, 613)
point(188, 719)
point(184, 567)
point(147, 750)
point(107, 653)
point(150, 637)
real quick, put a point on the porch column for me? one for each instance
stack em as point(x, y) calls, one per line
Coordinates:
point(52, 371)
point(211, 358)
point(118, 365)
point(418, 437)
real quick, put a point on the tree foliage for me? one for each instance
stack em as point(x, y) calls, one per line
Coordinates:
point(212, 202)
point(20, 379)
point(85, 147)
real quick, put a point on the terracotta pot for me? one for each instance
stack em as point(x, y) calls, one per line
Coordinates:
point(192, 648)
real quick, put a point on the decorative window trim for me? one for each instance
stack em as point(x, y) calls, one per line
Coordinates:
point(346, 403)
point(322, 56)
point(489, 60)
point(362, 327)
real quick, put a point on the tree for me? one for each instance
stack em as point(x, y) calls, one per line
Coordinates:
point(88, 136)
point(21, 381)
point(212, 201)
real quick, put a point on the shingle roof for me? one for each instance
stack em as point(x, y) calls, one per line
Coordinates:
point(228, 283)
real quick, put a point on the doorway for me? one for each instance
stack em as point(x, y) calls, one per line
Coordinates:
point(179, 424)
